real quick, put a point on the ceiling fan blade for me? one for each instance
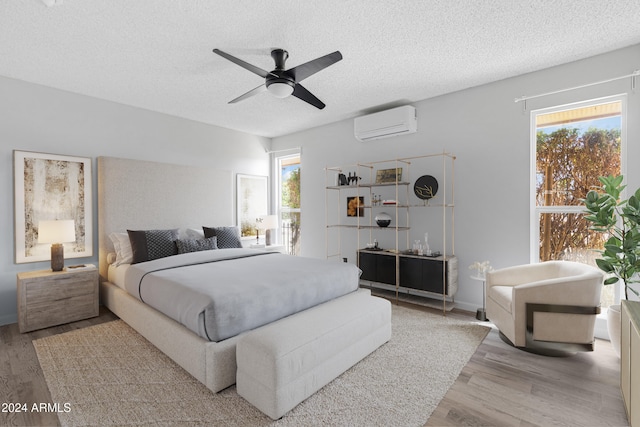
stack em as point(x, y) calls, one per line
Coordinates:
point(302, 93)
point(249, 94)
point(256, 70)
point(307, 69)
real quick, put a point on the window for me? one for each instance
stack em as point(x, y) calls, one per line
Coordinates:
point(572, 147)
point(288, 201)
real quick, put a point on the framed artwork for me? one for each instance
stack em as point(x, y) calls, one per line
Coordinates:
point(355, 206)
point(51, 187)
point(252, 202)
point(384, 176)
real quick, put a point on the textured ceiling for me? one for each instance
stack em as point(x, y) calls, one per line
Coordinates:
point(157, 54)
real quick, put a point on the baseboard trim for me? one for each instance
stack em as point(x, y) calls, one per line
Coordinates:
point(8, 319)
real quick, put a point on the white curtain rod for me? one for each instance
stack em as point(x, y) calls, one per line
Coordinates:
point(632, 75)
point(283, 150)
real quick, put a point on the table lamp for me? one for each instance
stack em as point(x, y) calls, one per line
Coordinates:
point(57, 232)
point(269, 222)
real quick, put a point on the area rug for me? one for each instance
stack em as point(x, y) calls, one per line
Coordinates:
point(108, 374)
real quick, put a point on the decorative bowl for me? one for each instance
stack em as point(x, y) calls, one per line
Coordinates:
point(383, 219)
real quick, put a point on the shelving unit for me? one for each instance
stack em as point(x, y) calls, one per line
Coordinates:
point(367, 231)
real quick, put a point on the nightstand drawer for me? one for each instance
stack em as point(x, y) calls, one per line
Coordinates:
point(59, 288)
point(45, 314)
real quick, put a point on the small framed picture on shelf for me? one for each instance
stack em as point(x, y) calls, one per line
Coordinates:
point(384, 176)
point(355, 206)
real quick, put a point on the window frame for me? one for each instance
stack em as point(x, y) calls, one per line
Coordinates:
point(277, 166)
point(535, 210)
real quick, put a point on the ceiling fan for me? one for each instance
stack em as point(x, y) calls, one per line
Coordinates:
point(282, 83)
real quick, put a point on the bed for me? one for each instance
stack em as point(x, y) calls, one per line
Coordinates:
point(218, 294)
point(143, 195)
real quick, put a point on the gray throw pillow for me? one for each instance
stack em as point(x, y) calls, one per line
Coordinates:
point(228, 237)
point(148, 245)
point(196, 245)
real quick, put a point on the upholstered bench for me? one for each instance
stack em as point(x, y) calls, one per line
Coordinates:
point(285, 362)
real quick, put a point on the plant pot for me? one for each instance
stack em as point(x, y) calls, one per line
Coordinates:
point(613, 327)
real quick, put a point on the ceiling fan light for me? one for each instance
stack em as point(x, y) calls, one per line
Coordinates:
point(280, 90)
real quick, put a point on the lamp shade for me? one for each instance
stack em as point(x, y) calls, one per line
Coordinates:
point(56, 231)
point(269, 222)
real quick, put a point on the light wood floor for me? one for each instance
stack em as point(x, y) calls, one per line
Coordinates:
point(500, 386)
point(21, 378)
point(503, 386)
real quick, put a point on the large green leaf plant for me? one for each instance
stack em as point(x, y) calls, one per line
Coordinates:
point(620, 221)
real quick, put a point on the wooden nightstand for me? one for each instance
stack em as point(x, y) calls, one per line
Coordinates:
point(47, 298)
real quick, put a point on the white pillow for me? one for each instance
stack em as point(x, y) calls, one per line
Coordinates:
point(122, 245)
point(194, 233)
point(111, 258)
point(190, 233)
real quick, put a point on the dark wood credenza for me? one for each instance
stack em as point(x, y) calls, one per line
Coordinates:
point(408, 272)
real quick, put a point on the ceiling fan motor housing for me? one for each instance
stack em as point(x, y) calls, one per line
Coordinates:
point(282, 78)
point(279, 77)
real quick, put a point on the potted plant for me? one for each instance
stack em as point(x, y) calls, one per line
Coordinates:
point(619, 220)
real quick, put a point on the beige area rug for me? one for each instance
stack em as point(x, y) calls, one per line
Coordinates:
point(110, 375)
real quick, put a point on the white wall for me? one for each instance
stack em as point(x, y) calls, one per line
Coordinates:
point(489, 134)
point(41, 119)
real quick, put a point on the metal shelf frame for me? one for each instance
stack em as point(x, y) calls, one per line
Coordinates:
point(402, 208)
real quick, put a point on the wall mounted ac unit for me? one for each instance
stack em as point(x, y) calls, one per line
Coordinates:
point(397, 121)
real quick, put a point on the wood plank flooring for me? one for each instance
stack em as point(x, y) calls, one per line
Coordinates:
point(500, 386)
point(21, 378)
point(503, 386)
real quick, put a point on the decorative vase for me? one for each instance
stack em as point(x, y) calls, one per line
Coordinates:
point(613, 327)
point(383, 219)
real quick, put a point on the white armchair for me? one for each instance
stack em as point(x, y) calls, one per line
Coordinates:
point(548, 308)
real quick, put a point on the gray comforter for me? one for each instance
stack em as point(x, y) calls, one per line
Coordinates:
point(220, 293)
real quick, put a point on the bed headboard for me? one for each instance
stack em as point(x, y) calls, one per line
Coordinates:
point(143, 195)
